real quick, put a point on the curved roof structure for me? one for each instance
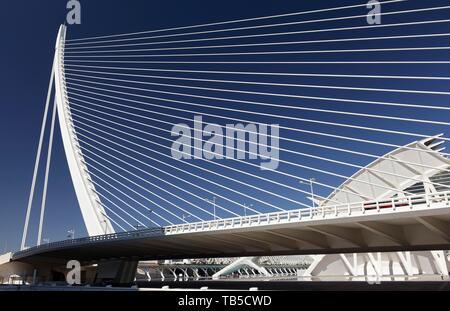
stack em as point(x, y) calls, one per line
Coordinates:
point(416, 166)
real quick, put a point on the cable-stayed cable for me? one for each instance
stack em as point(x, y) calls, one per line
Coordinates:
point(243, 130)
point(294, 85)
point(327, 75)
point(110, 141)
point(124, 194)
point(233, 21)
point(295, 164)
point(433, 35)
point(230, 109)
point(367, 141)
point(251, 153)
point(415, 23)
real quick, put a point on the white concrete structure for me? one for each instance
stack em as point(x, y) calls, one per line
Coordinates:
point(239, 264)
point(399, 263)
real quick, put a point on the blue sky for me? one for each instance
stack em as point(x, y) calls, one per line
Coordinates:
point(28, 32)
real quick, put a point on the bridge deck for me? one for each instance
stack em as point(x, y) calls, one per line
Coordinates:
point(418, 222)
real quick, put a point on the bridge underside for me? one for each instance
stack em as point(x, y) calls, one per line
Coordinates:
point(382, 231)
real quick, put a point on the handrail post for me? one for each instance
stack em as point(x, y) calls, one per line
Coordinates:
point(427, 200)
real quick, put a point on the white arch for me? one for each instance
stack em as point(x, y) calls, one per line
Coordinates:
point(93, 213)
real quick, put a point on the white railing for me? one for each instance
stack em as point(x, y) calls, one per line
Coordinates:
point(313, 213)
point(150, 232)
point(292, 216)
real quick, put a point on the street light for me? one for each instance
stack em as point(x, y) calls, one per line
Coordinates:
point(245, 208)
point(71, 234)
point(138, 226)
point(311, 185)
point(150, 212)
point(213, 201)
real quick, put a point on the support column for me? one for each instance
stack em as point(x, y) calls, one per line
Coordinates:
point(440, 262)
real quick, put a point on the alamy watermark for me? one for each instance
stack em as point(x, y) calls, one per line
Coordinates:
point(232, 141)
point(74, 14)
point(73, 277)
point(374, 15)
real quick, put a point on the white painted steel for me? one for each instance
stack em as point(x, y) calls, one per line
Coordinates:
point(93, 213)
point(405, 211)
point(344, 213)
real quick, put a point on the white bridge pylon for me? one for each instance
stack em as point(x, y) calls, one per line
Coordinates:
point(94, 215)
point(114, 92)
point(126, 175)
point(92, 211)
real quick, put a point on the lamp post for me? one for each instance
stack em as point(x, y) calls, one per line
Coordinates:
point(245, 208)
point(150, 212)
point(213, 202)
point(138, 226)
point(311, 185)
point(71, 234)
